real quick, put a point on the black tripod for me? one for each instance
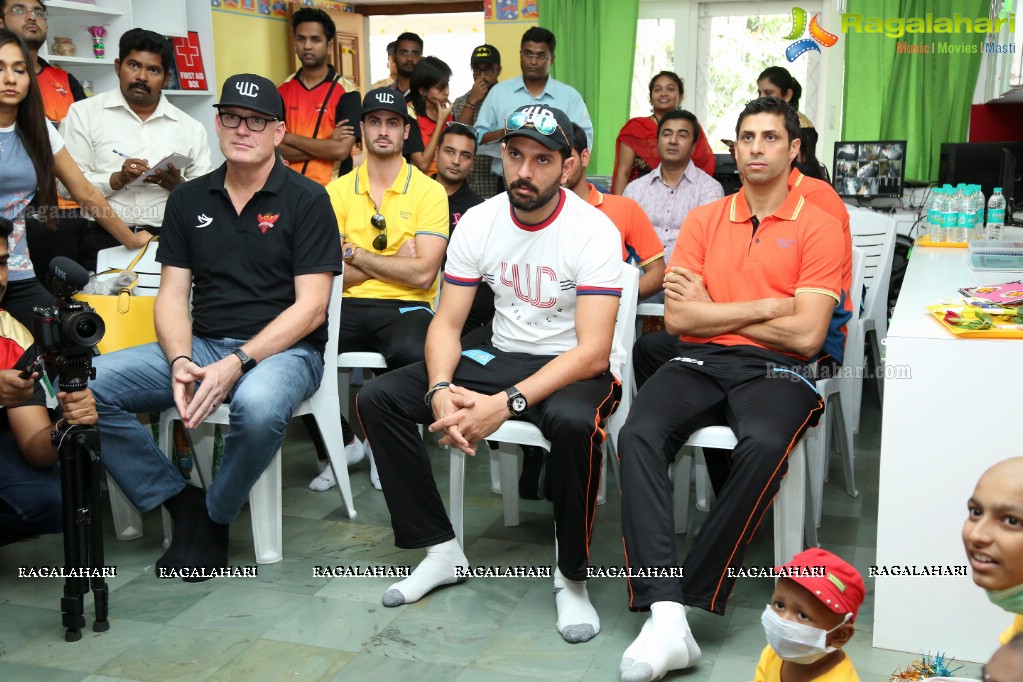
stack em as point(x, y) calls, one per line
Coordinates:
point(80, 475)
point(67, 333)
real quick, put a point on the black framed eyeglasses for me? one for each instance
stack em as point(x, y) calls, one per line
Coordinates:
point(256, 124)
point(21, 10)
point(541, 123)
point(380, 223)
point(488, 69)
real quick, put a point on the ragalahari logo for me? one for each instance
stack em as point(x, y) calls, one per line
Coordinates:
point(818, 36)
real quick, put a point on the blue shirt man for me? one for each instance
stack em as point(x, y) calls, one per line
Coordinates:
point(534, 86)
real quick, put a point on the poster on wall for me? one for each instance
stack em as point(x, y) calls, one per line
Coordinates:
point(278, 9)
point(510, 10)
point(188, 58)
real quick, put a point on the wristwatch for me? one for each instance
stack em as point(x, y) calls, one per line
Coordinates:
point(247, 362)
point(517, 404)
point(433, 389)
point(349, 252)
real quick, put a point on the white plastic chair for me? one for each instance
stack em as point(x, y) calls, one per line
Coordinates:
point(265, 496)
point(874, 233)
point(790, 505)
point(515, 432)
point(838, 394)
point(128, 519)
point(147, 268)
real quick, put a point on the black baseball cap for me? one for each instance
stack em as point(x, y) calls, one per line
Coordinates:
point(487, 54)
point(547, 125)
point(385, 99)
point(249, 91)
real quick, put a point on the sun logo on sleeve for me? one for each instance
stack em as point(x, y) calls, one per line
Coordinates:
point(818, 35)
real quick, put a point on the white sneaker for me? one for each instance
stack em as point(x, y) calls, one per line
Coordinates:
point(355, 452)
point(374, 477)
point(325, 481)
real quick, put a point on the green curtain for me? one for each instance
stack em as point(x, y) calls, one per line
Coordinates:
point(924, 99)
point(595, 53)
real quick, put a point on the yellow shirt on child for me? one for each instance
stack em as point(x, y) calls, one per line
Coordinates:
point(1013, 630)
point(769, 669)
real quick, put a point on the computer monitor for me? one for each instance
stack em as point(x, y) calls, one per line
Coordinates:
point(870, 169)
point(988, 164)
point(727, 173)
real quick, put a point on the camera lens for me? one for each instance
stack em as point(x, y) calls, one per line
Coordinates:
point(83, 328)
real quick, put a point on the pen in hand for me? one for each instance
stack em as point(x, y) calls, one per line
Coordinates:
point(121, 154)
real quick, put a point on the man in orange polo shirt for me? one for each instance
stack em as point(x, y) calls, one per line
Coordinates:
point(320, 106)
point(761, 273)
point(640, 243)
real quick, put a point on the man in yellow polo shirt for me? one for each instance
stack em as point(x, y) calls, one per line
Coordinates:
point(394, 230)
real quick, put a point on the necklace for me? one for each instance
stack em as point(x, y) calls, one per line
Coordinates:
point(4, 140)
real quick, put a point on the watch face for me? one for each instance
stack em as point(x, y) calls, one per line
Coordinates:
point(348, 253)
point(519, 404)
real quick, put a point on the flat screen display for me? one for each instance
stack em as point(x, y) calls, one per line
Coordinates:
point(870, 169)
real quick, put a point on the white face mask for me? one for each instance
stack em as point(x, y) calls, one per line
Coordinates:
point(796, 642)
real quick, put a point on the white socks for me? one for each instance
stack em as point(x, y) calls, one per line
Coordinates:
point(577, 619)
point(438, 568)
point(665, 643)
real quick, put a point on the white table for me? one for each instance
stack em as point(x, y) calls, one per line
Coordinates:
point(927, 474)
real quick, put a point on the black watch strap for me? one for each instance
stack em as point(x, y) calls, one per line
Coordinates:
point(247, 362)
point(517, 403)
point(433, 389)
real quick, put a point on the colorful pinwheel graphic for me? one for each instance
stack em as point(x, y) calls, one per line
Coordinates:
point(818, 35)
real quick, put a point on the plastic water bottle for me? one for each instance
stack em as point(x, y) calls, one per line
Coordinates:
point(948, 214)
point(964, 218)
point(968, 216)
point(995, 214)
point(979, 203)
point(934, 226)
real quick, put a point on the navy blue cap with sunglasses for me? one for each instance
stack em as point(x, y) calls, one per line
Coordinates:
point(546, 125)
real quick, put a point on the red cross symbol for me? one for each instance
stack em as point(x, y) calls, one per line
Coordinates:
point(188, 49)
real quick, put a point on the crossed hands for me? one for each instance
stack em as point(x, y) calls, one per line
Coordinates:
point(217, 380)
point(467, 417)
point(681, 284)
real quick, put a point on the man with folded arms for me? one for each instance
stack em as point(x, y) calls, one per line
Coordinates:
point(394, 228)
point(743, 359)
point(554, 263)
point(254, 246)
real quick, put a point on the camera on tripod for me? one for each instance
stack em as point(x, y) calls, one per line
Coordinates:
point(67, 331)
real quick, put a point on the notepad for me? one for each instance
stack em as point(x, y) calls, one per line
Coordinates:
point(996, 255)
point(179, 161)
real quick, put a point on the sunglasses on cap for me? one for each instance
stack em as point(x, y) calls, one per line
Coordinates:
point(541, 123)
point(380, 223)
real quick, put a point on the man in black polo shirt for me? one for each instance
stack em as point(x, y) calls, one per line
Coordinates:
point(455, 156)
point(256, 245)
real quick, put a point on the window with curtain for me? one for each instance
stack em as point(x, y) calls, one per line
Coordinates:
point(736, 42)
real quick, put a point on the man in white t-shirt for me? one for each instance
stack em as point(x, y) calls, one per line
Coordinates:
point(554, 264)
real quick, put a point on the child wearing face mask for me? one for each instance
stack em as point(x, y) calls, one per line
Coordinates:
point(809, 620)
point(993, 538)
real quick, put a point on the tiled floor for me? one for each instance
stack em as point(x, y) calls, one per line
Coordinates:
point(287, 624)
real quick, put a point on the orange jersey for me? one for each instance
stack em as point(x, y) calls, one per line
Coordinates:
point(796, 249)
point(302, 107)
point(640, 242)
point(59, 90)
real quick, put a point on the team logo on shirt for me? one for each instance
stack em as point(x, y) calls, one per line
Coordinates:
point(267, 220)
point(204, 221)
point(59, 88)
point(528, 285)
